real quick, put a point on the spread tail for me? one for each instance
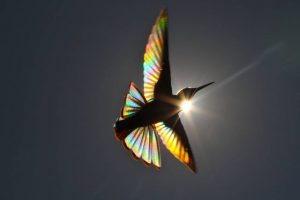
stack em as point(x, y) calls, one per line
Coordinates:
point(134, 101)
point(141, 141)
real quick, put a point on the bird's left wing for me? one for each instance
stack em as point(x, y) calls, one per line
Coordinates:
point(157, 80)
point(175, 139)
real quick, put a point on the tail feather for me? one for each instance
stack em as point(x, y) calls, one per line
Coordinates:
point(134, 101)
point(141, 141)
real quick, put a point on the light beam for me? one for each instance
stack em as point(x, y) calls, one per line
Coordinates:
point(186, 106)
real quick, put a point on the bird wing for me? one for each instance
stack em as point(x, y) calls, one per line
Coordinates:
point(157, 79)
point(175, 139)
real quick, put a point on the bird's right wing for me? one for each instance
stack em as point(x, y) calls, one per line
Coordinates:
point(157, 79)
point(175, 139)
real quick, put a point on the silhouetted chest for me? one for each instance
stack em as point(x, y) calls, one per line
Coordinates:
point(158, 110)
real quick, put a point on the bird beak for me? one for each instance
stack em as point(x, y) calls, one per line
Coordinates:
point(203, 86)
point(194, 90)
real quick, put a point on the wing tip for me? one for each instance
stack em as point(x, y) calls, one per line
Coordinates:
point(192, 167)
point(191, 164)
point(164, 12)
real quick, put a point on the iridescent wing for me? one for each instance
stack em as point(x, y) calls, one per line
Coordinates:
point(174, 138)
point(157, 80)
point(142, 142)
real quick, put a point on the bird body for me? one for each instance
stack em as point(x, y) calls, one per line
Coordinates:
point(147, 116)
point(151, 113)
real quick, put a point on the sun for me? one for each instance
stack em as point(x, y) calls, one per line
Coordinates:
point(186, 106)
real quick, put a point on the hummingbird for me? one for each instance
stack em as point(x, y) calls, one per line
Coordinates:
point(155, 114)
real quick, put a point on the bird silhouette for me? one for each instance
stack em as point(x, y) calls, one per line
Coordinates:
point(146, 117)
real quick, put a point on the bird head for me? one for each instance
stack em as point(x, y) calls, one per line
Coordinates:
point(187, 93)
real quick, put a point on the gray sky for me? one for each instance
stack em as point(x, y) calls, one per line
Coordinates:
point(66, 66)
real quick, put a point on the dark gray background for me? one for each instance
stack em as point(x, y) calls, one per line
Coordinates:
point(66, 66)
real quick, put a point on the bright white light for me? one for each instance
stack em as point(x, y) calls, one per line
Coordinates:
point(186, 106)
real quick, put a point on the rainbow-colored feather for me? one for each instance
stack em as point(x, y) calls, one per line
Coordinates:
point(173, 143)
point(133, 102)
point(143, 144)
point(153, 57)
